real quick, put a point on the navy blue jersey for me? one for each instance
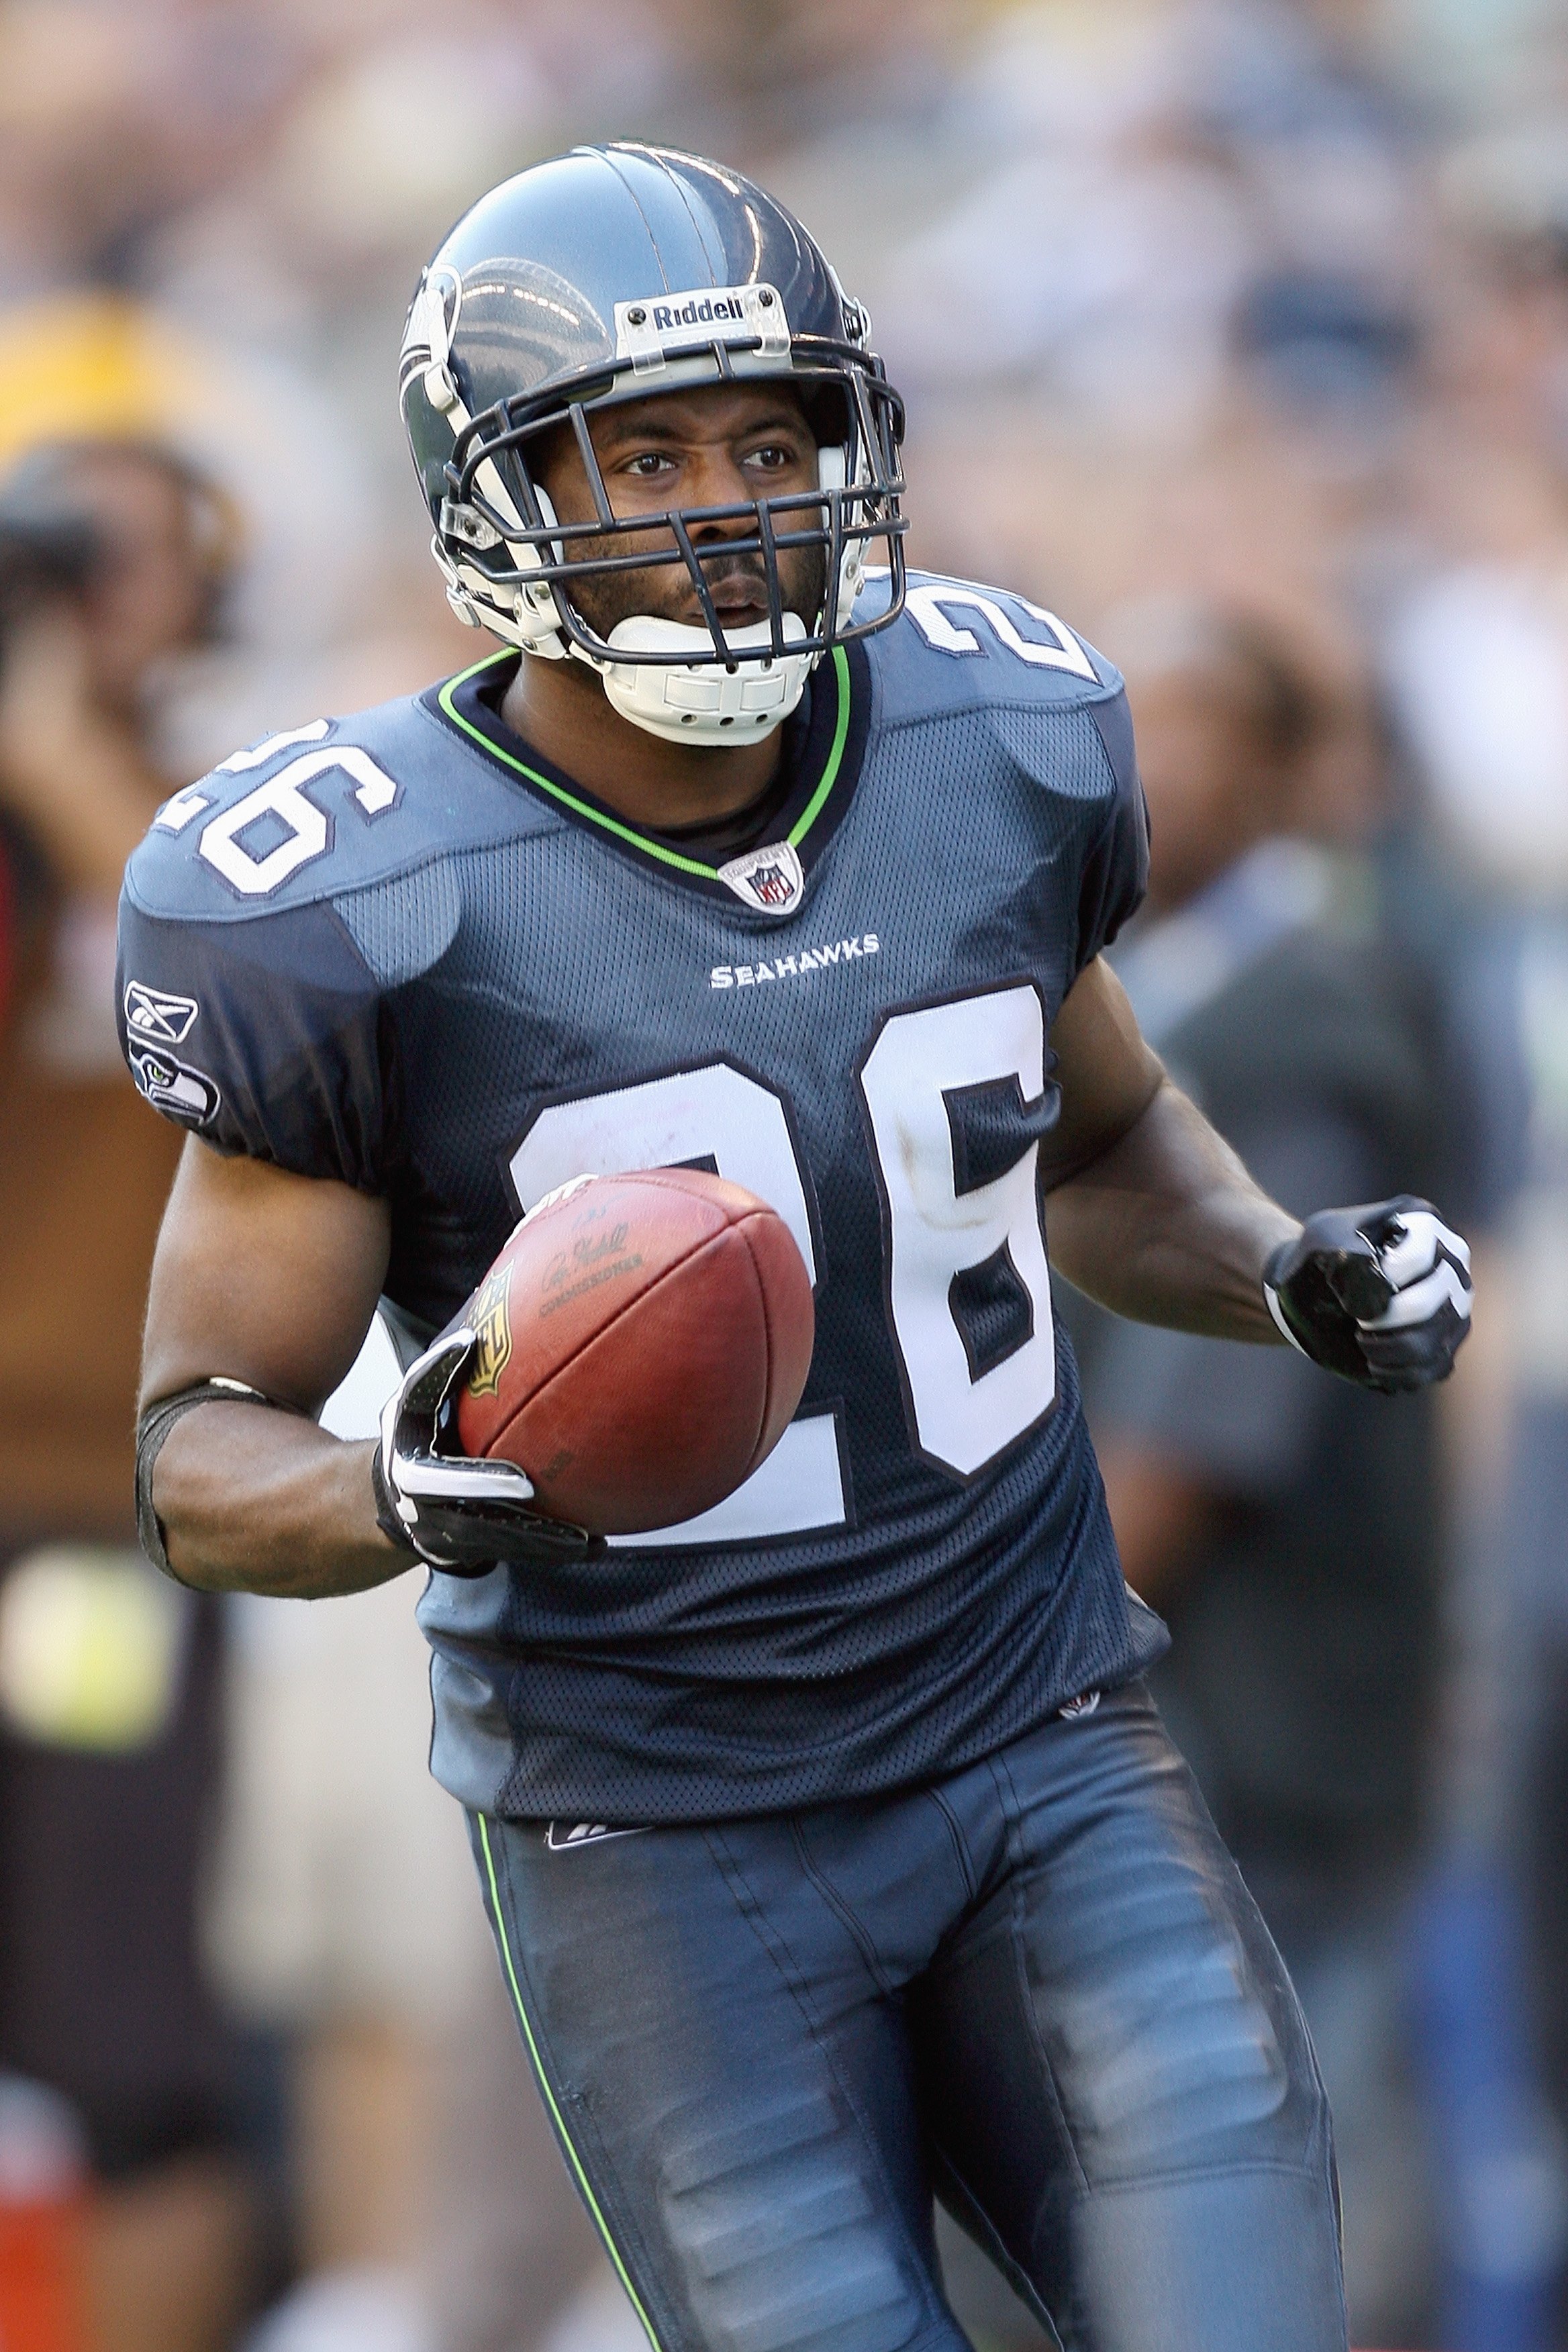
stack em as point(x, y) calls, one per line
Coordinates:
point(403, 951)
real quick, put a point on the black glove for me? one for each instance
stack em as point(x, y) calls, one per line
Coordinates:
point(459, 1514)
point(1379, 1295)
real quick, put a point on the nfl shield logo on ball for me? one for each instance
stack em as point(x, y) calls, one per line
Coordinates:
point(492, 1329)
point(769, 878)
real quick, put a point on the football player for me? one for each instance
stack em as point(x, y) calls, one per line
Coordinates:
point(834, 1849)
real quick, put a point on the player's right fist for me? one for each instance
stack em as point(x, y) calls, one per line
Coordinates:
point(459, 1515)
point(1380, 1294)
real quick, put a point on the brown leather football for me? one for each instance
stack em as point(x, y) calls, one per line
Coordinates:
point(642, 1343)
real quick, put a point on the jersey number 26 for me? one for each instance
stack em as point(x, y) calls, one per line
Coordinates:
point(964, 1273)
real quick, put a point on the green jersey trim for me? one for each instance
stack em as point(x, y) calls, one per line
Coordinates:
point(813, 808)
point(629, 834)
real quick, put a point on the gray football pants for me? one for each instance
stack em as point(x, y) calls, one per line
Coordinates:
point(1038, 1988)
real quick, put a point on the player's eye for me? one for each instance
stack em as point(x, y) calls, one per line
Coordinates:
point(649, 465)
point(773, 458)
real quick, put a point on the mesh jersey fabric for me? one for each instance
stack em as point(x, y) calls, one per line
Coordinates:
point(385, 952)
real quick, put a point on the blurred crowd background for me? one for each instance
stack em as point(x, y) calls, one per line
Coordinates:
point(1237, 332)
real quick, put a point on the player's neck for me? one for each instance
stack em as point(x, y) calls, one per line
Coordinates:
point(560, 707)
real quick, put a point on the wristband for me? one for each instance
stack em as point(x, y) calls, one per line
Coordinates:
point(152, 1431)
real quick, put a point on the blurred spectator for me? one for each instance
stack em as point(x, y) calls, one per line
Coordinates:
point(43, 2178)
point(112, 554)
point(1288, 1528)
point(1476, 657)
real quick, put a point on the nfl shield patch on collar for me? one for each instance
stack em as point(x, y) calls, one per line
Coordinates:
point(771, 878)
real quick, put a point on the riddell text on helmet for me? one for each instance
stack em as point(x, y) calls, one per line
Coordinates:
point(695, 314)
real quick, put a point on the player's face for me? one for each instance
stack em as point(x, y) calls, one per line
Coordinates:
point(717, 445)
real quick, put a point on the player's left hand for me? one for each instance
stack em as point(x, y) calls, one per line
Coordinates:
point(459, 1514)
point(1380, 1294)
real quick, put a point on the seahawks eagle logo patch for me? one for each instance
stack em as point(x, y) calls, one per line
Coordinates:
point(174, 1087)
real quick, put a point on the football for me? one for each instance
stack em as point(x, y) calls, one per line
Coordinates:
point(642, 1343)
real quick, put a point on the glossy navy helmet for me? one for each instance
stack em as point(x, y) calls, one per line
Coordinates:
point(614, 274)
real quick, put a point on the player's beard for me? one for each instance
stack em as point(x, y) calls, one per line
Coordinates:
point(665, 592)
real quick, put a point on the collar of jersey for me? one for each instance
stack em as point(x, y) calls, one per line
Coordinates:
point(834, 744)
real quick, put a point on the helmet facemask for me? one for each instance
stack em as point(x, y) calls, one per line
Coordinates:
point(511, 564)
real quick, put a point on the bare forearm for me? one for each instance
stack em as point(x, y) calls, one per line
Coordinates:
point(253, 1500)
point(1168, 1227)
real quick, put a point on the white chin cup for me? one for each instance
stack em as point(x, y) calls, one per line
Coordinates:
point(695, 701)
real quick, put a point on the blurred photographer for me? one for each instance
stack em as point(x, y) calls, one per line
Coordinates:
point(113, 558)
point(1290, 1533)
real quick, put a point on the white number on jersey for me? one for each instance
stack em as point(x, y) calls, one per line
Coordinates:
point(925, 605)
point(283, 796)
point(720, 1115)
point(716, 1114)
point(937, 1235)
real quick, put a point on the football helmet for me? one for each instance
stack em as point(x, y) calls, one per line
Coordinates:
point(620, 273)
